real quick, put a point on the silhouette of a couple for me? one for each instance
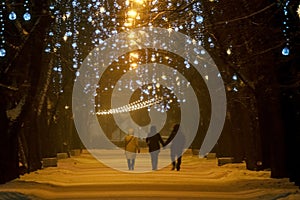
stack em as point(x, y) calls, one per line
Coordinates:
point(155, 142)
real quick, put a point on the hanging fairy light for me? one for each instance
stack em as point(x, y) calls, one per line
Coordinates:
point(137, 105)
point(75, 36)
point(2, 28)
point(12, 16)
point(76, 18)
point(55, 33)
point(286, 50)
point(26, 15)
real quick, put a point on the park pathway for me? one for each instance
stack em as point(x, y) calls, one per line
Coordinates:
point(84, 177)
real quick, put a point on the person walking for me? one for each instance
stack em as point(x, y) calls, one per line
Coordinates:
point(177, 141)
point(154, 140)
point(131, 148)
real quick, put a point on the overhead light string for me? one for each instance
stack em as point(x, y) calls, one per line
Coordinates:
point(2, 29)
point(26, 15)
point(286, 49)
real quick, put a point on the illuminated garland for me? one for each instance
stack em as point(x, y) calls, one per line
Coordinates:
point(26, 15)
point(132, 106)
point(286, 49)
point(2, 28)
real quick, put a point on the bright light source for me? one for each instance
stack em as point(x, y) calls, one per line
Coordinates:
point(127, 24)
point(12, 16)
point(132, 13)
point(285, 51)
point(234, 77)
point(139, 1)
point(133, 66)
point(134, 55)
point(228, 51)
point(102, 10)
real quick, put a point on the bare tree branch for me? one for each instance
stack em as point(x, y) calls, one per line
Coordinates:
point(242, 18)
point(9, 87)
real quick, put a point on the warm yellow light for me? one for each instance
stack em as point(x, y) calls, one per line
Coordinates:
point(139, 1)
point(127, 24)
point(132, 13)
point(134, 55)
point(102, 10)
point(133, 66)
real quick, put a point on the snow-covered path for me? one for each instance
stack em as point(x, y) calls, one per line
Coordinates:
point(84, 177)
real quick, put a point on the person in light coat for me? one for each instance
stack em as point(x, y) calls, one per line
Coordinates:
point(131, 148)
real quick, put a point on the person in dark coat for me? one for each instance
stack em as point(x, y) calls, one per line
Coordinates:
point(154, 140)
point(177, 146)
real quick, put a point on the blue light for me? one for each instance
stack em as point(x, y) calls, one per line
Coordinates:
point(2, 52)
point(234, 77)
point(285, 51)
point(199, 19)
point(69, 33)
point(47, 50)
point(74, 45)
point(12, 16)
point(26, 16)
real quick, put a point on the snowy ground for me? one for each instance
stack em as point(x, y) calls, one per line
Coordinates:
point(84, 177)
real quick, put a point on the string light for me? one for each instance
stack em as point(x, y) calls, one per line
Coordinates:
point(2, 28)
point(139, 104)
point(12, 15)
point(75, 36)
point(81, 25)
point(286, 50)
point(26, 15)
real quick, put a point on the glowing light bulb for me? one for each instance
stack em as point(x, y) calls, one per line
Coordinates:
point(285, 51)
point(127, 24)
point(132, 13)
point(102, 10)
point(12, 16)
point(139, 1)
point(228, 51)
point(134, 55)
point(27, 16)
point(2, 52)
